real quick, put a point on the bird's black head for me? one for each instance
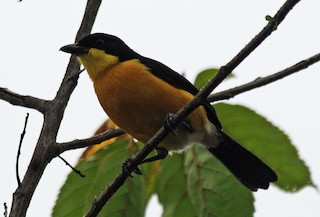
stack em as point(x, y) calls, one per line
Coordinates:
point(98, 51)
point(110, 44)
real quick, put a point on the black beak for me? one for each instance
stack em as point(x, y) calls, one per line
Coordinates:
point(75, 49)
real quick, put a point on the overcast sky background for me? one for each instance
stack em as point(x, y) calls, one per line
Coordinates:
point(188, 36)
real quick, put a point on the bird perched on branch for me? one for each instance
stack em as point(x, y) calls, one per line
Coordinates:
point(139, 94)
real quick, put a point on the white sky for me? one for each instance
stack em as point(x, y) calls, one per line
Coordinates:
point(188, 36)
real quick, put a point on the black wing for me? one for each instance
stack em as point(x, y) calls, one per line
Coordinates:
point(175, 79)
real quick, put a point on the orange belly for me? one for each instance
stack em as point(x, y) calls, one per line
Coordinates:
point(138, 102)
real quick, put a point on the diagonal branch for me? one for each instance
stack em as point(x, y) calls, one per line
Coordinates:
point(261, 81)
point(21, 100)
point(197, 100)
point(253, 44)
point(72, 168)
point(89, 17)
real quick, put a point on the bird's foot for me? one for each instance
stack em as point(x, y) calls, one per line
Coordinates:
point(169, 124)
point(127, 164)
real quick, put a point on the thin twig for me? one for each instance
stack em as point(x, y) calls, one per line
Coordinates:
point(261, 81)
point(19, 149)
point(74, 169)
point(5, 213)
point(197, 100)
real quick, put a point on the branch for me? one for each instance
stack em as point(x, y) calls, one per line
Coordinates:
point(197, 100)
point(82, 143)
point(20, 100)
point(253, 44)
point(19, 149)
point(261, 81)
point(71, 167)
point(53, 114)
point(88, 19)
point(5, 213)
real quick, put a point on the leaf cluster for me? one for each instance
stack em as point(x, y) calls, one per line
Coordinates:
point(190, 184)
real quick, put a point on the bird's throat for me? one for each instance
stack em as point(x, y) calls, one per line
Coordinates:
point(96, 61)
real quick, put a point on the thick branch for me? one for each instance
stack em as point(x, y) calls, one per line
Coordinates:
point(53, 114)
point(20, 100)
point(227, 94)
point(198, 99)
point(82, 143)
point(88, 19)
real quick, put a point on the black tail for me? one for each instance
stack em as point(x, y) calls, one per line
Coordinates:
point(245, 166)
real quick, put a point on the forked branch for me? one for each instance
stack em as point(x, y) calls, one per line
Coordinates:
point(261, 81)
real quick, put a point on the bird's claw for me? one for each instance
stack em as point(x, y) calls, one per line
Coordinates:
point(169, 123)
point(127, 164)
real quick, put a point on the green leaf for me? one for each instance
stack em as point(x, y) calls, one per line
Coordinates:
point(77, 194)
point(171, 187)
point(203, 77)
point(213, 190)
point(150, 172)
point(266, 141)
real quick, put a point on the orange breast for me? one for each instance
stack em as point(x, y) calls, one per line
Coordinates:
point(138, 102)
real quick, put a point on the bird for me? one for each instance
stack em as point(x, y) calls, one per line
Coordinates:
point(140, 95)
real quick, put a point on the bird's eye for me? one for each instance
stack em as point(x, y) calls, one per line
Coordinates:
point(99, 42)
